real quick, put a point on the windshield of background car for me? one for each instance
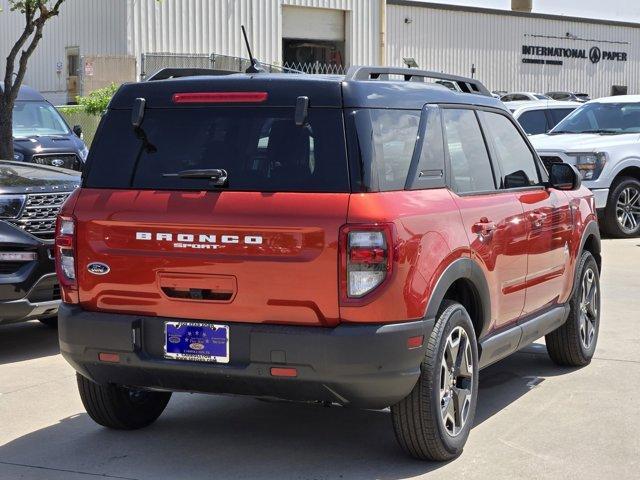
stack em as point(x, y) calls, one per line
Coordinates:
point(613, 118)
point(261, 148)
point(37, 118)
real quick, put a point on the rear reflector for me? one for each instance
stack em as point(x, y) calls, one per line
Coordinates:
point(220, 97)
point(415, 342)
point(109, 357)
point(283, 372)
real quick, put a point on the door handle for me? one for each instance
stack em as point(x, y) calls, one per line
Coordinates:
point(484, 227)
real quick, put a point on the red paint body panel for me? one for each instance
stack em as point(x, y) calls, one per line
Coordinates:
point(291, 277)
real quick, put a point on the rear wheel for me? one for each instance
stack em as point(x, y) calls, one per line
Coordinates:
point(119, 407)
point(574, 343)
point(622, 213)
point(434, 420)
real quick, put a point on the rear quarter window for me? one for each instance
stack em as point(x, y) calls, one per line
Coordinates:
point(261, 148)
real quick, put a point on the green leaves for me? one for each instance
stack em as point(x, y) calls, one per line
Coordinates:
point(96, 102)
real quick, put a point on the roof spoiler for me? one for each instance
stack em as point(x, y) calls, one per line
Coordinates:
point(167, 73)
point(467, 85)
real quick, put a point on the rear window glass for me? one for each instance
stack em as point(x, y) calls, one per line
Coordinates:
point(534, 122)
point(387, 141)
point(262, 149)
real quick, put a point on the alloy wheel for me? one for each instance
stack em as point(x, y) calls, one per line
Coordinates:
point(628, 209)
point(588, 308)
point(456, 381)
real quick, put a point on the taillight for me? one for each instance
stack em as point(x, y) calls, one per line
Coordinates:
point(367, 259)
point(65, 258)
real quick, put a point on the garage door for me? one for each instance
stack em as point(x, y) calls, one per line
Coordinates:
point(312, 23)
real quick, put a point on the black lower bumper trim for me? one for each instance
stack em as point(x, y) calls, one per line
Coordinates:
point(366, 366)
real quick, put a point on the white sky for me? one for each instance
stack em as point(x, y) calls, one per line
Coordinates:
point(622, 10)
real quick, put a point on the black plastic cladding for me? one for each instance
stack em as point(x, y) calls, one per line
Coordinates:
point(323, 91)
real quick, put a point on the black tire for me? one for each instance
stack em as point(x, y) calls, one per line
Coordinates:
point(567, 345)
point(51, 322)
point(417, 419)
point(611, 221)
point(121, 408)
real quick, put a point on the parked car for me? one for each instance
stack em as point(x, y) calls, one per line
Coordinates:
point(30, 198)
point(344, 239)
point(569, 96)
point(523, 97)
point(540, 116)
point(601, 138)
point(42, 136)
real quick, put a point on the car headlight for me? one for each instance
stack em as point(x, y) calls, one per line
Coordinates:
point(18, 157)
point(590, 165)
point(84, 153)
point(11, 205)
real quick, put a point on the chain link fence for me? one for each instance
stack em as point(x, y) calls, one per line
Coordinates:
point(76, 115)
point(153, 62)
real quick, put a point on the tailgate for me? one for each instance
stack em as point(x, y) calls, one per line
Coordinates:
point(227, 256)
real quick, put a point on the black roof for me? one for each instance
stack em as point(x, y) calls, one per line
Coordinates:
point(27, 94)
point(355, 90)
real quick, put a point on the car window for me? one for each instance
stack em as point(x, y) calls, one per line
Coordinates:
point(558, 114)
point(506, 98)
point(602, 118)
point(262, 149)
point(395, 133)
point(430, 169)
point(470, 166)
point(516, 160)
point(534, 122)
point(519, 98)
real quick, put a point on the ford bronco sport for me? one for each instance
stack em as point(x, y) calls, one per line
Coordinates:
point(371, 240)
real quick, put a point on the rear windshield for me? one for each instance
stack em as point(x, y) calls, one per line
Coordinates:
point(261, 148)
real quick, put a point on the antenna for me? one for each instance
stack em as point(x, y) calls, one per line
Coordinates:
point(255, 66)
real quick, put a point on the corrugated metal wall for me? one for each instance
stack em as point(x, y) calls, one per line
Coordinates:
point(96, 26)
point(213, 26)
point(451, 41)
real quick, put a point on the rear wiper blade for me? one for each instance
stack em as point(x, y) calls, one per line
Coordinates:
point(218, 176)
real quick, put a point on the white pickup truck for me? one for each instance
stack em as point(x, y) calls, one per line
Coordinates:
point(602, 140)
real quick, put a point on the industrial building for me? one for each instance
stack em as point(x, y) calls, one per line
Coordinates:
point(94, 42)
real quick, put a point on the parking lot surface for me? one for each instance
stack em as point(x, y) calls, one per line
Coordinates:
point(534, 420)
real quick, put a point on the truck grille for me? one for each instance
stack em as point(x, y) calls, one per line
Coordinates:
point(63, 160)
point(40, 212)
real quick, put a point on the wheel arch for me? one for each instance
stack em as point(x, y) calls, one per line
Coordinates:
point(591, 242)
point(632, 171)
point(464, 281)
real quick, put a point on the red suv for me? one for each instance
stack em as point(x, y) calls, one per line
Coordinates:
point(370, 240)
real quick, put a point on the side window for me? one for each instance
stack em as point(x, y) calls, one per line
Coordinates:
point(517, 163)
point(534, 122)
point(429, 172)
point(558, 114)
point(470, 166)
point(520, 98)
point(395, 133)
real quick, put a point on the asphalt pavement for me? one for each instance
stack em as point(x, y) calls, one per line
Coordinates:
point(535, 420)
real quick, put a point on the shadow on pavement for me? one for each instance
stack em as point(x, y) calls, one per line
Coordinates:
point(229, 437)
point(27, 341)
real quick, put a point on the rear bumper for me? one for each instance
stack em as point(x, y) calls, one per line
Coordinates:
point(42, 301)
point(366, 366)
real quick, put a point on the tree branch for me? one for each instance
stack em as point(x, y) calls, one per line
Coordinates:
point(13, 53)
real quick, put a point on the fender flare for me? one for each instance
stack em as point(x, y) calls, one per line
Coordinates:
point(469, 270)
point(592, 228)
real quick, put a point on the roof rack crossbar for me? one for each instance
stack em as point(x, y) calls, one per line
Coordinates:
point(465, 84)
point(167, 73)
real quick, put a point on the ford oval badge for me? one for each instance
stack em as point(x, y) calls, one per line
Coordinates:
point(98, 268)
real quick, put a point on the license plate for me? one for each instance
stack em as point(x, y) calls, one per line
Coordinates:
point(197, 342)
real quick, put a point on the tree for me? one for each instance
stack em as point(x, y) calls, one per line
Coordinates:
point(36, 14)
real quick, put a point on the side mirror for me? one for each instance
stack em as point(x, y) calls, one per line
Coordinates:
point(563, 176)
point(77, 129)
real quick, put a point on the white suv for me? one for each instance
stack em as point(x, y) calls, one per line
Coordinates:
point(602, 140)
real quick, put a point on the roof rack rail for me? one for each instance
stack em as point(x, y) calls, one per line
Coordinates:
point(167, 73)
point(467, 85)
